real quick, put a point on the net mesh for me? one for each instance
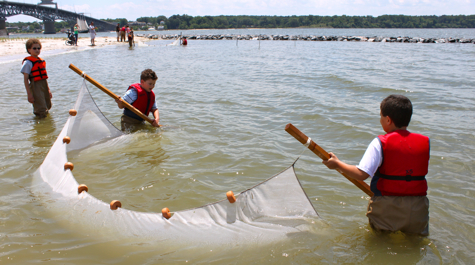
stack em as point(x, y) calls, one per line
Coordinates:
point(175, 43)
point(269, 211)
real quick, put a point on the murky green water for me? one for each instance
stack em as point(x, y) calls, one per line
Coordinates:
point(227, 104)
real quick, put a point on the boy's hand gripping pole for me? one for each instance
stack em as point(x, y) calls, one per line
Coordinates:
point(302, 138)
point(110, 93)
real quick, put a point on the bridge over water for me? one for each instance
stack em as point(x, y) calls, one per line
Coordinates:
point(45, 13)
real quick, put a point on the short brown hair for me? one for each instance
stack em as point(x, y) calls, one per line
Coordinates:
point(31, 42)
point(148, 74)
point(398, 108)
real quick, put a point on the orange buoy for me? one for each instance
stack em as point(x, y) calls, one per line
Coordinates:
point(66, 139)
point(82, 188)
point(115, 205)
point(231, 197)
point(73, 112)
point(166, 213)
point(68, 165)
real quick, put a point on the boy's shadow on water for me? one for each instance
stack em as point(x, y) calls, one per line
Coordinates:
point(43, 132)
point(41, 135)
point(400, 248)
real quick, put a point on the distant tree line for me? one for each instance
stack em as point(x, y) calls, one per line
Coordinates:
point(310, 21)
point(121, 21)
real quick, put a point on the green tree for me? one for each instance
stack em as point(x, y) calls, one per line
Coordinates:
point(293, 22)
point(242, 21)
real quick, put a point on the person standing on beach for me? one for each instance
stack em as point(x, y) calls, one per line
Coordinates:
point(35, 79)
point(117, 29)
point(127, 31)
point(122, 34)
point(76, 33)
point(92, 30)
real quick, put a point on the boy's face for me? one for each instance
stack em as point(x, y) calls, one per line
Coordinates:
point(35, 50)
point(148, 85)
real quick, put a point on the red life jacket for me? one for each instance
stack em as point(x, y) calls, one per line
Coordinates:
point(143, 103)
point(184, 42)
point(405, 165)
point(38, 71)
point(122, 29)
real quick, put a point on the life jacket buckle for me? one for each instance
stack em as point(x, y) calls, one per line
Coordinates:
point(408, 178)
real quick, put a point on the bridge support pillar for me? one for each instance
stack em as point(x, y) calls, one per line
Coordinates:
point(3, 27)
point(49, 27)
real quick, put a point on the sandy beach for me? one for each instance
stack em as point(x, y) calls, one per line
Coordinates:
point(16, 46)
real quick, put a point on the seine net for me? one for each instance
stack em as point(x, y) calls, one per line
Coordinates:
point(175, 43)
point(268, 212)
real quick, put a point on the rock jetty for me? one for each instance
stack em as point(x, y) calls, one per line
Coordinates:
point(308, 38)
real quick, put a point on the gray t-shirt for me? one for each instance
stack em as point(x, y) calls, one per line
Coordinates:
point(26, 67)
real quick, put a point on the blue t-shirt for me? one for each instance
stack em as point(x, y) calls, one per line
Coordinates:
point(131, 96)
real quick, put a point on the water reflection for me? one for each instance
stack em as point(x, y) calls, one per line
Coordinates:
point(398, 248)
point(43, 132)
point(127, 168)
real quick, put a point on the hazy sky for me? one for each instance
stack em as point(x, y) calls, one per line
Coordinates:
point(135, 9)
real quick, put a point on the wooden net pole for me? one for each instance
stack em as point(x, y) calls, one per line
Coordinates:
point(320, 152)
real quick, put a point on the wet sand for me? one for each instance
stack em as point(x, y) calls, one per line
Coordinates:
point(16, 46)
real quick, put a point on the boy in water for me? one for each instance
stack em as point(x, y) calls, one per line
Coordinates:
point(184, 41)
point(141, 96)
point(35, 79)
point(130, 37)
point(398, 162)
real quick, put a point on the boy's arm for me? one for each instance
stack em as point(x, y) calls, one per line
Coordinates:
point(130, 96)
point(26, 80)
point(156, 115)
point(119, 103)
point(350, 170)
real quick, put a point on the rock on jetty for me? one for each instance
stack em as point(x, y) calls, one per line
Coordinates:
point(307, 38)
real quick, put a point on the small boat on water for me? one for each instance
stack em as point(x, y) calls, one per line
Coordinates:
point(151, 28)
point(82, 24)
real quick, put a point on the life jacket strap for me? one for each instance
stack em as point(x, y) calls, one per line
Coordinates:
point(406, 178)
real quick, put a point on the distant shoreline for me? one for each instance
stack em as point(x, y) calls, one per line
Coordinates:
point(164, 30)
point(287, 37)
point(57, 35)
point(182, 22)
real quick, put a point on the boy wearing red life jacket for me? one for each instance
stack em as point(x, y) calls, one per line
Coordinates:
point(141, 96)
point(35, 79)
point(398, 163)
